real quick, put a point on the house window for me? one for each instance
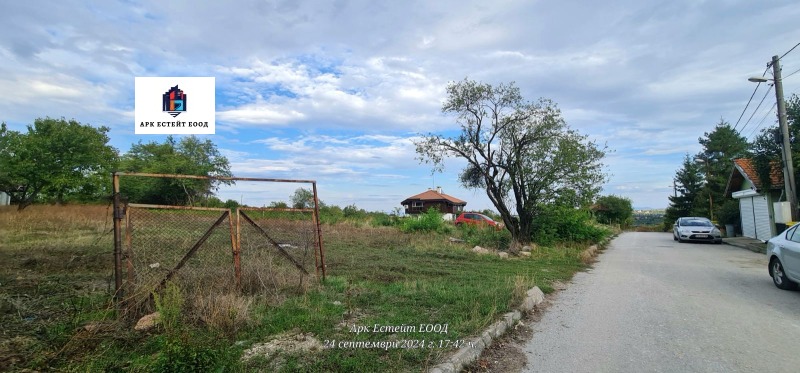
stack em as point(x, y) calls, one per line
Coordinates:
point(459, 208)
point(417, 204)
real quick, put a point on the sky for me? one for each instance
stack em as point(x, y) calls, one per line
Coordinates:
point(337, 91)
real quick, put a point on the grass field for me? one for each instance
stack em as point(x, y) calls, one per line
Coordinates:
point(56, 310)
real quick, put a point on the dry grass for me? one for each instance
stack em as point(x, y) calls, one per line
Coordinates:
point(44, 218)
point(378, 273)
point(227, 313)
point(521, 284)
point(588, 256)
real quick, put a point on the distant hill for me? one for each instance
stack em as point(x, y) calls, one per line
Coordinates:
point(647, 216)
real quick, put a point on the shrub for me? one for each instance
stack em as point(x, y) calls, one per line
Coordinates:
point(565, 224)
point(614, 210)
point(192, 352)
point(430, 221)
point(485, 236)
point(169, 305)
point(183, 348)
point(380, 219)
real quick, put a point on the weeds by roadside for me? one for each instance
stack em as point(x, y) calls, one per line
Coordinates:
point(56, 301)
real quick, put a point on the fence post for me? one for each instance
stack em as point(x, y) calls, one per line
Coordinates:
point(235, 246)
point(321, 263)
point(117, 217)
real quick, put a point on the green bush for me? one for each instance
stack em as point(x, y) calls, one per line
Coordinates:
point(488, 237)
point(729, 213)
point(565, 224)
point(380, 219)
point(430, 221)
point(193, 352)
point(183, 348)
point(169, 305)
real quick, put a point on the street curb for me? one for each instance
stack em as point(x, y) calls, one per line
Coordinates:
point(473, 348)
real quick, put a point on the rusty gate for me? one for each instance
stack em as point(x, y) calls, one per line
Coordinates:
point(211, 249)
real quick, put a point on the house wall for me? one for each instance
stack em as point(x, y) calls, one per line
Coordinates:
point(443, 207)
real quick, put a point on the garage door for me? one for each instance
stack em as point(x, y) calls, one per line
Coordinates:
point(762, 218)
point(748, 217)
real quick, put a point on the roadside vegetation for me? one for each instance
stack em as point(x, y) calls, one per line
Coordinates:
point(702, 180)
point(57, 313)
point(420, 277)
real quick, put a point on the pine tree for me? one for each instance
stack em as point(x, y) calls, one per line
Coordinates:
point(689, 186)
point(720, 147)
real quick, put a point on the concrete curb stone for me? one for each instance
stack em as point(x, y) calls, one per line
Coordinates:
point(475, 346)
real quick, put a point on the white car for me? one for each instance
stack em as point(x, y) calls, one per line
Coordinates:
point(783, 252)
point(695, 229)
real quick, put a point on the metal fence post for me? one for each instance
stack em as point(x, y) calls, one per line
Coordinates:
point(235, 247)
point(321, 263)
point(117, 217)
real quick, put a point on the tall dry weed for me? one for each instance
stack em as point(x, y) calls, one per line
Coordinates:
point(227, 313)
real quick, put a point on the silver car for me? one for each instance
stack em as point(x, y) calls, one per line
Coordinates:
point(695, 229)
point(783, 252)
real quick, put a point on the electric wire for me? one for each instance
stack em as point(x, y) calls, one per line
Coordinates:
point(795, 72)
point(756, 89)
point(756, 109)
point(750, 136)
point(787, 52)
point(749, 101)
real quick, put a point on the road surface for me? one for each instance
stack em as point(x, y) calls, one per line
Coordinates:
point(653, 305)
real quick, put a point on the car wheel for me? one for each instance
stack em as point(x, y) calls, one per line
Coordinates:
point(779, 276)
point(674, 237)
point(718, 242)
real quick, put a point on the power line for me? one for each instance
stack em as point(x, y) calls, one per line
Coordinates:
point(787, 52)
point(749, 101)
point(795, 72)
point(756, 89)
point(762, 120)
point(754, 111)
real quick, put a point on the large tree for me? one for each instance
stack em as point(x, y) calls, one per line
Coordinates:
point(56, 159)
point(302, 199)
point(689, 184)
point(720, 147)
point(766, 147)
point(523, 154)
point(189, 156)
point(614, 210)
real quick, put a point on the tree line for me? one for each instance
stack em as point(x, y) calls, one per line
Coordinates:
point(543, 177)
point(700, 183)
point(60, 160)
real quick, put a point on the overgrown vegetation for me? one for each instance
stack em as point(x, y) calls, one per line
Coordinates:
point(430, 221)
point(614, 210)
point(521, 153)
point(57, 314)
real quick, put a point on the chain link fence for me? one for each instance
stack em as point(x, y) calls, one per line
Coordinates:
point(256, 251)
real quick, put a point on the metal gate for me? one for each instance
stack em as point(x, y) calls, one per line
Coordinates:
point(209, 249)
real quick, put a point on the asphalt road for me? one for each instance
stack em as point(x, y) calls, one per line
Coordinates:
point(653, 305)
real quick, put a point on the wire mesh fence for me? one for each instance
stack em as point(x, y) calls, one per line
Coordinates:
point(258, 251)
point(276, 245)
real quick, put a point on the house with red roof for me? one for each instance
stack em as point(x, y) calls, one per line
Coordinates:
point(758, 204)
point(444, 203)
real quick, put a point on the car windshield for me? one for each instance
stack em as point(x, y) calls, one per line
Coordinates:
point(486, 217)
point(697, 223)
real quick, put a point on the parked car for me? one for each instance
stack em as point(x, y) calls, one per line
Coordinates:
point(474, 218)
point(695, 229)
point(783, 252)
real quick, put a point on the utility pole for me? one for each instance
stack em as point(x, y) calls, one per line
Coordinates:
point(674, 188)
point(788, 175)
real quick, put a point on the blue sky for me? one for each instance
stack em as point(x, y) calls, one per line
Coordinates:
point(336, 91)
